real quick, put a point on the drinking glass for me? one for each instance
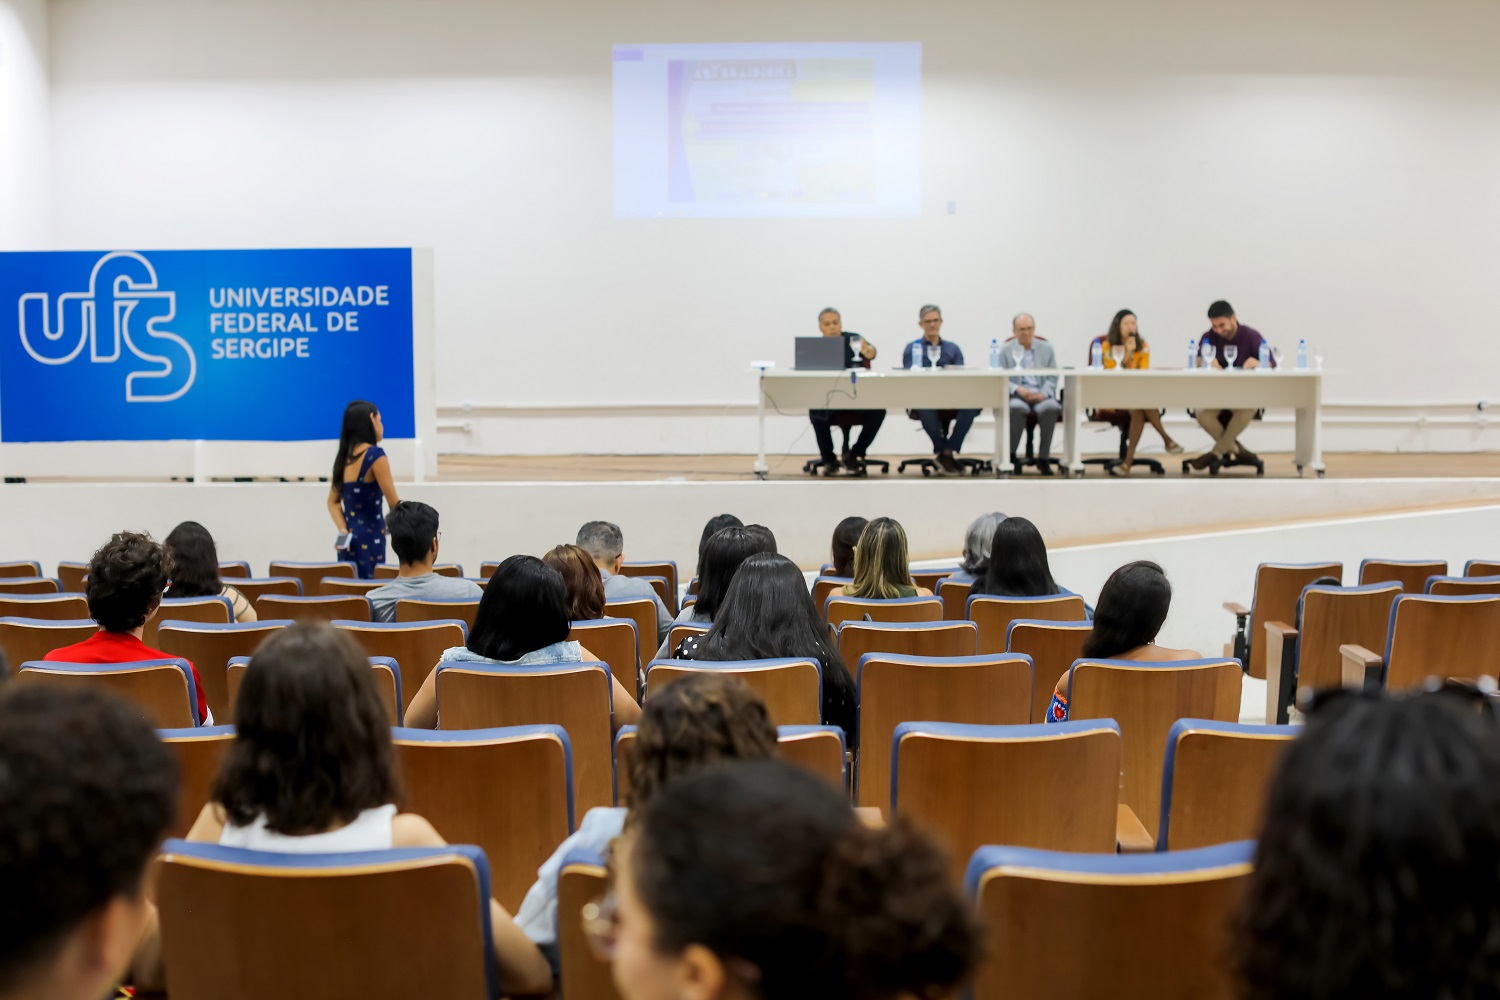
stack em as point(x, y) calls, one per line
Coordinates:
point(934, 352)
point(1276, 356)
point(1117, 351)
point(1207, 352)
point(1020, 355)
point(1230, 353)
point(1318, 360)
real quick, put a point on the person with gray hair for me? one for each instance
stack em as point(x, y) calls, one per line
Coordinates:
point(858, 353)
point(978, 541)
point(605, 544)
point(931, 351)
point(1031, 395)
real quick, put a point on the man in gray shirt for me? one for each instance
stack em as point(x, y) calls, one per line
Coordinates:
point(605, 544)
point(414, 536)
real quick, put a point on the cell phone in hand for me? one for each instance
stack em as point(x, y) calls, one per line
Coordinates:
point(341, 542)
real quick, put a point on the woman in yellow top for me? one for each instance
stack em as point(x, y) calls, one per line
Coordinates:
point(1124, 333)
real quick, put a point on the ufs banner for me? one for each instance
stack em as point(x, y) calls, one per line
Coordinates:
point(218, 345)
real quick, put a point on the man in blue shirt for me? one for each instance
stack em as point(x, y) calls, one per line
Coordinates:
point(918, 354)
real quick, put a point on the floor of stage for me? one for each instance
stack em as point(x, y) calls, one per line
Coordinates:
point(733, 468)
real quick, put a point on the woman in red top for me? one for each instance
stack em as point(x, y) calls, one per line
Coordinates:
point(126, 579)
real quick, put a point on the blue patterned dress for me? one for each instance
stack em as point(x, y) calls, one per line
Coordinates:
point(364, 512)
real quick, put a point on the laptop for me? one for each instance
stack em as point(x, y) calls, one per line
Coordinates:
point(820, 354)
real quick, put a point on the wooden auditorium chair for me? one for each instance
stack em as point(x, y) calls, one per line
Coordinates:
point(387, 682)
point(210, 646)
point(23, 639)
point(255, 588)
point(1215, 780)
point(415, 646)
point(1277, 587)
point(334, 586)
point(1309, 657)
point(820, 749)
point(1482, 567)
point(20, 569)
point(822, 586)
point(51, 607)
point(311, 574)
point(993, 614)
point(1053, 647)
point(855, 639)
point(642, 611)
point(1438, 637)
point(1412, 574)
point(897, 609)
point(73, 577)
point(412, 609)
point(614, 640)
point(210, 610)
point(791, 688)
point(345, 607)
point(1462, 586)
point(29, 585)
point(385, 572)
point(199, 751)
point(955, 597)
point(163, 689)
point(582, 881)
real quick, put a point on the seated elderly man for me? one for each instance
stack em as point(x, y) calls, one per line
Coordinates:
point(1031, 394)
point(605, 544)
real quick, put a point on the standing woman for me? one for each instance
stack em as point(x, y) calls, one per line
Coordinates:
point(361, 477)
point(1124, 331)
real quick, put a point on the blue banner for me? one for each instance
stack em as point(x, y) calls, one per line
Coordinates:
point(215, 345)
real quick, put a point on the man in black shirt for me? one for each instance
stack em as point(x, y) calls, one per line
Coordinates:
point(858, 353)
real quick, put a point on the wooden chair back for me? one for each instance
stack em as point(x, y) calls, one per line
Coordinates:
point(1482, 567)
point(1335, 616)
point(234, 569)
point(614, 641)
point(1463, 586)
point(208, 610)
point(792, 689)
point(199, 752)
point(20, 568)
point(1053, 647)
point(855, 639)
point(51, 607)
point(387, 682)
point(1442, 637)
point(575, 696)
point(1146, 699)
point(311, 574)
point(384, 572)
point(982, 690)
point(416, 647)
point(642, 611)
point(162, 689)
point(930, 578)
point(345, 607)
point(825, 585)
point(335, 586)
point(1277, 587)
point(820, 749)
point(255, 589)
point(664, 568)
point(1412, 574)
point(1157, 926)
point(1214, 783)
point(582, 880)
point(24, 639)
point(1052, 786)
point(994, 614)
point(487, 569)
point(308, 927)
point(29, 585)
point(210, 647)
point(955, 597)
point(900, 609)
point(681, 631)
point(507, 791)
point(410, 609)
point(73, 576)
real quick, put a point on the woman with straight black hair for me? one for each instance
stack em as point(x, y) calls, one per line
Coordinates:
point(193, 562)
point(1377, 870)
point(754, 880)
point(1132, 607)
point(845, 537)
point(361, 477)
point(312, 771)
point(768, 614)
point(721, 559)
point(522, 620)
point(1018, 564)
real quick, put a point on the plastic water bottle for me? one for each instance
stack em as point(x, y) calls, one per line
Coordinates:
point(1265, 356)
point(1192, 354)
point(994, 354)
point(1096, 356)
point(1302, 355)
point(916, 353)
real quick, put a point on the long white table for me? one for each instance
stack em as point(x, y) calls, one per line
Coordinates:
point(788, 392)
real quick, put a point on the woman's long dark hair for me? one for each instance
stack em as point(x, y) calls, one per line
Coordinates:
point(358, 429)
point(845, 537)
point(769, 614)
point(524, 609)
point(1132, 607)
point(312, 741)
point(193, 562)
point(715, 524)
point(1115, 336)
point(1018, 562)
point(721, 558)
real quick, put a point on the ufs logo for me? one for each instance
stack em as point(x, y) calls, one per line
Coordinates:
point(122, 305)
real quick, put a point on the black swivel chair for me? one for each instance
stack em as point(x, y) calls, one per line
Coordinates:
point(1233, 460)
point(928, 465)
point(846, 422)
point(1121, 420)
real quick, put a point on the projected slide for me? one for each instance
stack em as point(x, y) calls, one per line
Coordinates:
point(762, 129)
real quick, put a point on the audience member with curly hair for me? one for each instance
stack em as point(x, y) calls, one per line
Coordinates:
point(756, 880)
point(87, 792)
point(127, 577)
point(1377, 873)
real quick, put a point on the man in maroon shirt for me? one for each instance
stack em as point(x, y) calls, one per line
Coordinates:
point(126, 579)
point(1225, 426)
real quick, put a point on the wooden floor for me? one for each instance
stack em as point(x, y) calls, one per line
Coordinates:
point(731, 468)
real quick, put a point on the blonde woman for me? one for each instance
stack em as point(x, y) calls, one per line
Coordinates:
point(880, 564)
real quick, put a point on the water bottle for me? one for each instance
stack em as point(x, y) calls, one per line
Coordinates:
point(1096, 356)
point(916, 353)
point(1265, 356)
point(1302, 355)
point(994, 354)
point(1192, 354)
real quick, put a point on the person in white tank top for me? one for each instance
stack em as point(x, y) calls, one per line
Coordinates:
point(310, 687)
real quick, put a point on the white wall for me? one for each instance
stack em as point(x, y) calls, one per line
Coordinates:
point(25, 132)
point(1328, 166)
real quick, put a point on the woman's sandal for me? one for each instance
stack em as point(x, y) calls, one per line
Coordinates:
point(1173, 448)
